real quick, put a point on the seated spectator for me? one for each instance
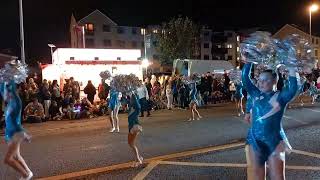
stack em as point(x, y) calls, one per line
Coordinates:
point(54, 111)
point(94, 109)
point(85, 108)
point(34, 112)
point(103, 107)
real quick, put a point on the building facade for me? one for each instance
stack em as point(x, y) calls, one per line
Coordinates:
point(290, 29)
point(98, 31)
point(223, 45)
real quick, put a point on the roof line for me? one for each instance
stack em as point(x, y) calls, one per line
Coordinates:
point(294, 28)
point(97, 10)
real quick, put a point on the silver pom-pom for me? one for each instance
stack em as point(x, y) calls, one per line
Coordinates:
point(194, 78)
point(259, 48)
point(125, 83)
point(235, 75)
point(14, 70)
point(105, 74)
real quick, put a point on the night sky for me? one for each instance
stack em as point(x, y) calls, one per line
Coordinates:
point(47, 21)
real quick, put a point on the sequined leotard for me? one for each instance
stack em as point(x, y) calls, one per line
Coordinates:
point(193, 93)
point(134, 111)
point(266, 131)
point(114, 99)
point(238, 94)
point(12, 111)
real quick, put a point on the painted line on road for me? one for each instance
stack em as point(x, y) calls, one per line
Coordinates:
point(291, 118)
point(129, 164)
point(318, 111)
point(142, 174)
point(314, 168)
point(305, 153)
point(199, 164)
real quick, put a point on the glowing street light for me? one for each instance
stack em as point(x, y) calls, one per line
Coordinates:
point(312, 8)
point(145, 64)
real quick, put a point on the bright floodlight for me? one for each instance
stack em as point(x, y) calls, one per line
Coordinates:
point(313, 8)
point(51, 45)
point(145, 63)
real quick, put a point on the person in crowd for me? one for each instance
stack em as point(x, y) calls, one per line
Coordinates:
point(34, 112)
point(134, 127)
point(226, 85)
point(90, 91)
point(232, 90)
point(55, 94)
point(114, 106)
point(54, 110)
point(194, 102)
point(207, 87)
point(143, 95)
point(77, 109)
point(46, 97)
point(148, 85)
point(75, 90)
point(14, 132)
point(267, 142)
point(183, 96)
point(169, 95)
point(85, 108)
point(103, 107)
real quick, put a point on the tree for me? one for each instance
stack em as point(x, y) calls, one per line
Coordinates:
point(178, 40)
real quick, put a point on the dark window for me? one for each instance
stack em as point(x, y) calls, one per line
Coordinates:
point(71, 58)
point(206, 33)
point(316, 52)
point(155, 43)
point(312, 40)
point(106, 28)
point(155, 56)
point(134, 44)
point(96, 58)
point(107, 43)
point(317, 41)
point(229, 57)
point(206, 45)
point(134, 30)
point(121, 44)
point(120, 30)
point(206, 57)
point(118, 58)
point(90, 43)
point(142, 44)
point(229, 34)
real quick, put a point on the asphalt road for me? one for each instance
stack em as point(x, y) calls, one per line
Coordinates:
point(76, 149)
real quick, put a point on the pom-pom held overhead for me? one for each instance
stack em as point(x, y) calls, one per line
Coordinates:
point(105, 74)
point(125, 83)
point(293, 51)
point(14, 71)
point(194, 78)
point(235, 75)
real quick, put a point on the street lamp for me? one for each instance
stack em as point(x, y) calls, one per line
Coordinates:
point(143, 32)
point(23, 57)
point(51, 46)
point(145, 64)
point(312, 8)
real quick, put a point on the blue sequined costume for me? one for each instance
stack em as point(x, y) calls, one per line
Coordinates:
point(238, 94)
point(114, 99)
point(13, 109)
point(266, 131)
point(248, 104)
point(134, 110)
point(193, 93)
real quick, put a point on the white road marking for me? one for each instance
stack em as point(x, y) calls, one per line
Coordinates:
point(291, 118)
point(318, 111)
point(142, 174)
point(199, 164)
point(305, 153)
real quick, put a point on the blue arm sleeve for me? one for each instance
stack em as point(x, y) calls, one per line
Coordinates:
point(247, 83)
point(249, 104)
point(288, 93)
point(2, 89)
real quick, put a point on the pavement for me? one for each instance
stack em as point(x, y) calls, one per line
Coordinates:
point(86, 150)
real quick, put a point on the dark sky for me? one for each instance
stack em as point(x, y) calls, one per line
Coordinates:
point(47, 21)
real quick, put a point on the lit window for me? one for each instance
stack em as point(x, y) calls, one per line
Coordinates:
point(238, 38)
point(155, 31)
point(229, 46)
point(219, 46)
point(238, 49)
point(89, 27)
point(238, 58)
point(143, 31)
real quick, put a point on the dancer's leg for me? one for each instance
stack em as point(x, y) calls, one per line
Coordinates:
point(132, 143)
point(116, 112)
point(255, 171)
point(195, 109)
point(276, 163)
point(20, 159)
point(241, 105)
point(112, 120)
point(10, 159)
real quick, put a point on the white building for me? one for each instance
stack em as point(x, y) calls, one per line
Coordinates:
point(86, 64)
point(99, 31)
